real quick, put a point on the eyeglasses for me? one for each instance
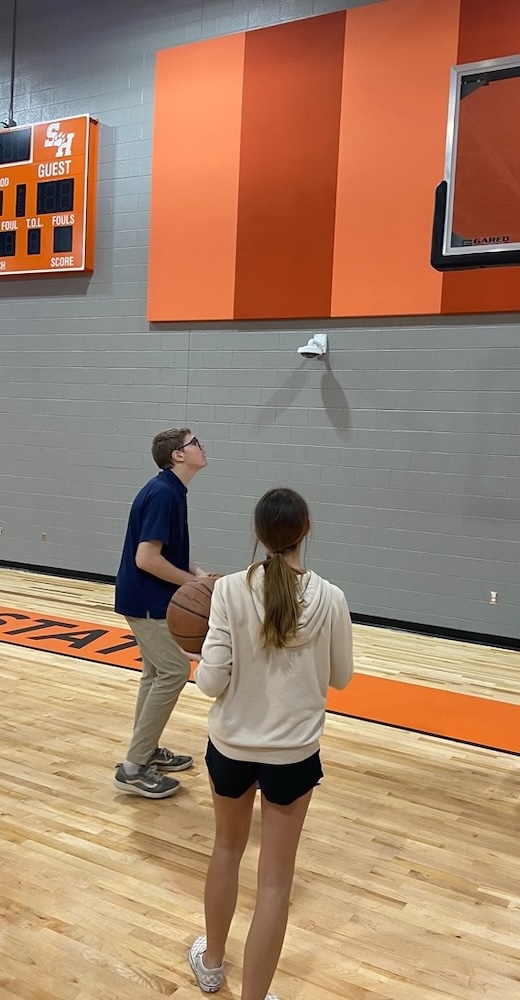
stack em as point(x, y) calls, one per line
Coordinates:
point(194, 440)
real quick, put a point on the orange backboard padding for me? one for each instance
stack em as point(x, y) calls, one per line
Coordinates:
point(195, 177)
point(444, 713)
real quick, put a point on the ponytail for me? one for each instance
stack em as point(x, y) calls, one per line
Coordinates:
point(281, 601)
point(281, 522)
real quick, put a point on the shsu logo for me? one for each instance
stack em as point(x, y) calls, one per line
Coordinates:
point(61, 140)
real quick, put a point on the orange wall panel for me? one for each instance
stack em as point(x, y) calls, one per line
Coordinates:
point(195, 170)
point(489, 29)
point(288, 168)
point(294, 167)
point(393, 125)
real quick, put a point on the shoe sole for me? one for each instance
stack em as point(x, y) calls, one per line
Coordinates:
point(205, 989)
point(122, 786)
point(169, 767)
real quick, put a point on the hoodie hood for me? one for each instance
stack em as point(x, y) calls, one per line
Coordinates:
point(316, 598)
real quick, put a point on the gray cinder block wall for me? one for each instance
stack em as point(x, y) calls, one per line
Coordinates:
point(405, 443)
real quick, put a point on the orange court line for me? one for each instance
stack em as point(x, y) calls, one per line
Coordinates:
point(480, 721)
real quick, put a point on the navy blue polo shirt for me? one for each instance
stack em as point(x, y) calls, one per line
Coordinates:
point(159, 513)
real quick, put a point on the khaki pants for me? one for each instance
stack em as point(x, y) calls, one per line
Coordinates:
point(165, 672)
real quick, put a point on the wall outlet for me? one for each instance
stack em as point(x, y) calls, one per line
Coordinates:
point(493, 597)
point(44, 536)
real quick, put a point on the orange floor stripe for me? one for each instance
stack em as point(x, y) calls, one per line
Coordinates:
point(480, 721)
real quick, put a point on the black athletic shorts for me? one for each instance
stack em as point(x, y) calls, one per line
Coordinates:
point(280, 783)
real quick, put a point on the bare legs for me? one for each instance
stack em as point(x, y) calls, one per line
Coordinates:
point(281, 829)
point(232, 823)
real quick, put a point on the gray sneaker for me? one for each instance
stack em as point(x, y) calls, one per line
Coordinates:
point(209, 980)
point(166, 760)
point(148, 782)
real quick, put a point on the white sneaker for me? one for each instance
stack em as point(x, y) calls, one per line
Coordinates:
point(209, 980)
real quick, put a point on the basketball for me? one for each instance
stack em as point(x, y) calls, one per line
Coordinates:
point(188, 613)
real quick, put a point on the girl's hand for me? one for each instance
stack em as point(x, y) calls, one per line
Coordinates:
point(192, 656)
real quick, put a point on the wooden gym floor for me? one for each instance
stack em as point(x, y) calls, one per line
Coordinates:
point(408, 877)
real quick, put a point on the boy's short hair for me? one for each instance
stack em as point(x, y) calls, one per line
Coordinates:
point(165, 442)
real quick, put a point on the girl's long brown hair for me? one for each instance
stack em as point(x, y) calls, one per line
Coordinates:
point(281, 521)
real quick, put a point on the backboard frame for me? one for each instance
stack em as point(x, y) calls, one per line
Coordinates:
point(445, 256)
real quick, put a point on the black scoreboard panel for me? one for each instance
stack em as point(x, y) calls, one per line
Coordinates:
point(15, 145)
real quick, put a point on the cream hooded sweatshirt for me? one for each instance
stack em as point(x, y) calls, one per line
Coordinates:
point(270, 704)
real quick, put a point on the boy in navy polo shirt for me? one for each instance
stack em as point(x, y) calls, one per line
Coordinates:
point(155, 562)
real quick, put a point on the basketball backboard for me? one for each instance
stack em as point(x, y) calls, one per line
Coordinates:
point(477, 206)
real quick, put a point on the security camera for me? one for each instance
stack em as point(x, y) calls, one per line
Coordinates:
point(316, 347)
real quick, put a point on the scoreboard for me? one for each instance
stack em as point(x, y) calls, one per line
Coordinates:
point(47, 197)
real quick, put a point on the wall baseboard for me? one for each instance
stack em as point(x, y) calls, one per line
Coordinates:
point(67, 574)
point(439, 631)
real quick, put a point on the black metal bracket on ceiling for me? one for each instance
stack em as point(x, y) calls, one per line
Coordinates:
point(10, 114)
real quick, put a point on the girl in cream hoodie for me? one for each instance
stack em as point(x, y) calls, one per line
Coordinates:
point(278, 637)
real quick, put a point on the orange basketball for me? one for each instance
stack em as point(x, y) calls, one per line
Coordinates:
point(188, 613)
